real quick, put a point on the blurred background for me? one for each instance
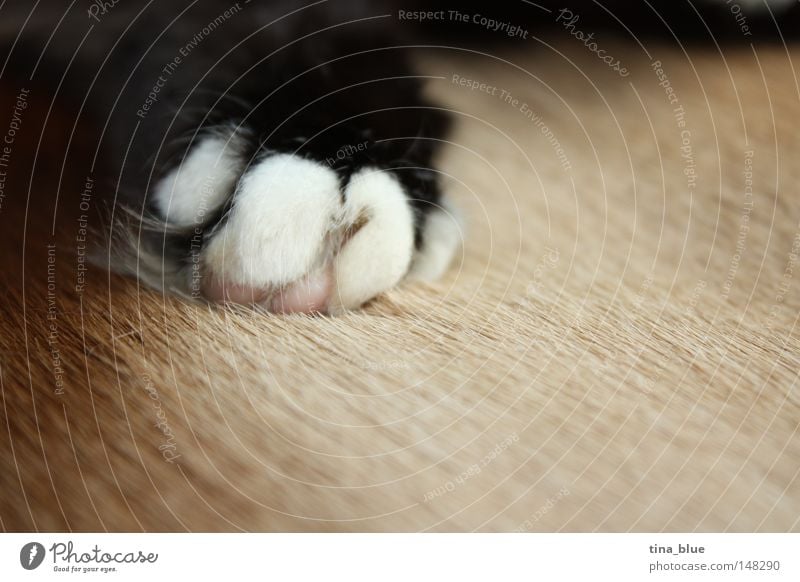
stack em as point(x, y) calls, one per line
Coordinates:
point(616, 348)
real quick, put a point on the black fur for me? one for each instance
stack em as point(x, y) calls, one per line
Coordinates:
point(314, 80)
point(311, 78)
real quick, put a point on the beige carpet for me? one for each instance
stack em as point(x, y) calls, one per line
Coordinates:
point(615, 350)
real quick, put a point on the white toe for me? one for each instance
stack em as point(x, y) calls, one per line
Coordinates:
point(378, 255)
point(201, 184)
point(277, 230)
point(442, 236)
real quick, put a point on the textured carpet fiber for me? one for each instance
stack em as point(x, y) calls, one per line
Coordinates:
point(615, 349)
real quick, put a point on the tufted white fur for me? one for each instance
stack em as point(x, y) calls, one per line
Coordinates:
point(292, 242)
point(199, 185)
point(378, 256)
point(443, 235)
point(277, 230)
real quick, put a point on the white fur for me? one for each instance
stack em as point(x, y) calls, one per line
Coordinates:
point(290, 235)
point(277, 230)
point(442, 236)
point(200, 185)
point(378, 256)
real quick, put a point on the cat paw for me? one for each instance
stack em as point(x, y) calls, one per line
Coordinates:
point(291, 234)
